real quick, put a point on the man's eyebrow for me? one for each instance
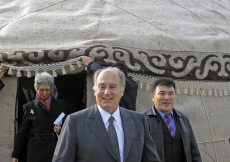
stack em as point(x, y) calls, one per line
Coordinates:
point(165, 91)
point(109, 84)
point(113, 84)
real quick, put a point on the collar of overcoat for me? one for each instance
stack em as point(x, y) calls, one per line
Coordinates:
point(152, 112)
point(54, 111)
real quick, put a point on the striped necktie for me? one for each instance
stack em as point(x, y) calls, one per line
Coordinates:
point(168, 118)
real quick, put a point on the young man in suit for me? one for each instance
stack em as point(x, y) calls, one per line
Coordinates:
point(170, 129)
point(106, 132)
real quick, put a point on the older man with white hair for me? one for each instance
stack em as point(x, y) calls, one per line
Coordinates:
point(106, 132)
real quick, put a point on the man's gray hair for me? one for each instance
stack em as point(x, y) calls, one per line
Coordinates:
point(44, 78)
point(119, 72)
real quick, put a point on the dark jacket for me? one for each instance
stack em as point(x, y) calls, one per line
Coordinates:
point(1, 85)
point(68, 101)
point(38, 120)
point(128, 100)
point(189, 142)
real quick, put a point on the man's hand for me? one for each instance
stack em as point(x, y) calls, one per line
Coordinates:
point(86, 60)
point(57, 128)
point(14, 160)
point(2, 70)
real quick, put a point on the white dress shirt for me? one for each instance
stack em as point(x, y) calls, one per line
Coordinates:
point(118, 126)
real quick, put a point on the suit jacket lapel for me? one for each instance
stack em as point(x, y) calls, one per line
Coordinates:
point(128, 128)
point(98, 128)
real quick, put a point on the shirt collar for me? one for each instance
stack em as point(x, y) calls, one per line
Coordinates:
point(163, 114)
point(56, 95)
point(105, 115)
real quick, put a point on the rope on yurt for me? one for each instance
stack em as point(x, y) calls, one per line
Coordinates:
point(5, 148)
point(171, 35)
point(206, 112)
point(224, 139)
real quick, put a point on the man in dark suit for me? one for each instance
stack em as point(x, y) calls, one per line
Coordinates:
point(2, 72)
point(68, 101)
point(128, 100)
point(170, 129)
point(106, 132)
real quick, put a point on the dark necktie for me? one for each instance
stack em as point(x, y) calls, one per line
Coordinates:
point(29, 95)
point(169, 124)
point(113, 137)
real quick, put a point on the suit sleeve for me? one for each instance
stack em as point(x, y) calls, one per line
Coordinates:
point(64, 110)
point(66, 147)
point(129, 98)
point(21, 138)
point(93, 67)
point(194, 148)
point(149, 152)
point(1, 85)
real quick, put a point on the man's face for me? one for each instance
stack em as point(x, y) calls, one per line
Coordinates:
point(108, 92)
point(164, 98)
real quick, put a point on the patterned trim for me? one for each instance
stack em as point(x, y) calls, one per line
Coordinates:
point(175, 64)
point(73, 64)
point(143, 64)
point(203, 88)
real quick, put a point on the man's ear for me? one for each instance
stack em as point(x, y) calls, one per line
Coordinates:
point(153, 96)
